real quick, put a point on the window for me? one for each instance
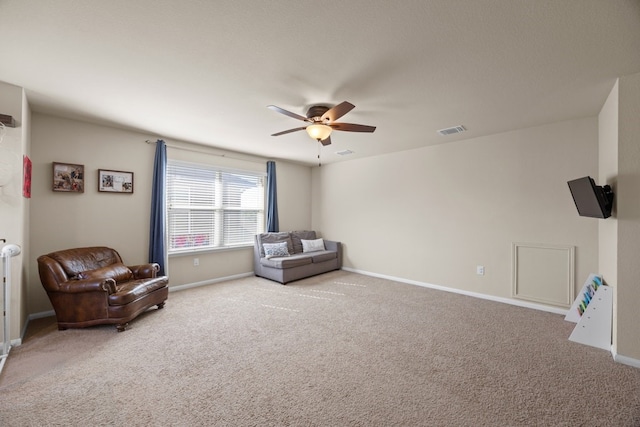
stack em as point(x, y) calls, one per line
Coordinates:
point(210, 207)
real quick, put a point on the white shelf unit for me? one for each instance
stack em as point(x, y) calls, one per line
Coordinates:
point(592, 310)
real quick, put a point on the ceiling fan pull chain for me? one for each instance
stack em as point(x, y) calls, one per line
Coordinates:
point(319, 147)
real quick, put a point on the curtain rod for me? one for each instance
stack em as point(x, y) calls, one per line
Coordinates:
point(204, 151)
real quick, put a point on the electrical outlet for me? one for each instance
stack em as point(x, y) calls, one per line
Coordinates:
point(196, 262)
point(480, 270)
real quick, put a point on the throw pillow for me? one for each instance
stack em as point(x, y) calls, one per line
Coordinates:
point(297, 236)
point(312, 245)
point(275, 238)
point(276, 249)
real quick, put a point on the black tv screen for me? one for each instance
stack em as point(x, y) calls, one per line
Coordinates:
point(591, 200)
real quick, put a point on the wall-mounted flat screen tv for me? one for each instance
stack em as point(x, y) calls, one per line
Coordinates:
point(591, 200)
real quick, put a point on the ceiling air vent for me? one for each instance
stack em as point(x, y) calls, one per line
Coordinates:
point(344, 152)
point(452, 130)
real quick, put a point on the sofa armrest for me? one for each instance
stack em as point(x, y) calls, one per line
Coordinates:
point(332, 245)
point(145, 271)
point(88, 285)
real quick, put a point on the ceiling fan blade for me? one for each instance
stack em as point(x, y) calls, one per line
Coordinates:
point(288, 131)
point(351, 127)
point(287, 113)
point(338, 111)
point(326, 141)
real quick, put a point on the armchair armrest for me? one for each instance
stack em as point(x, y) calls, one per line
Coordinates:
point(88, 285)
point(145, 271)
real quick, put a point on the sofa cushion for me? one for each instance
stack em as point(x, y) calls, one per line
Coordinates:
point(323, 256)
point(286, 262)
point(312, 245)
point(275, 249)
point(297, 236)
point(275, 238)
point(118, 272)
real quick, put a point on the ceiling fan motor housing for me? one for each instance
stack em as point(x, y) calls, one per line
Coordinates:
point(316, 111)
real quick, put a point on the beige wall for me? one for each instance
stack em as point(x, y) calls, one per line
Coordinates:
point(608, 168)
point(432, 215)
point(619, 244)
point(628, 214)
point(14, 208)
point(26, 214)
point(294, 196)
point(65, 220)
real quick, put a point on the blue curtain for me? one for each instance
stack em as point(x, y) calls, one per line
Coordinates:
point(157, 249)
point(272, 198)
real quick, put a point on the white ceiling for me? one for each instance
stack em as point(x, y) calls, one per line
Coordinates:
point(204, 71)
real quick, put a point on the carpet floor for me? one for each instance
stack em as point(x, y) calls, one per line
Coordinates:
point(340, 349)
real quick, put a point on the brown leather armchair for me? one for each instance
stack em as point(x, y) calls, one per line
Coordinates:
point(91, 286)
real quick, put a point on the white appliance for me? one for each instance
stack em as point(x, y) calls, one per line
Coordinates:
point(6, 253)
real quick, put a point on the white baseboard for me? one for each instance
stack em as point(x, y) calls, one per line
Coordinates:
point(31, 317)
point(624, 359)
point(208, 282)
point(520, 303)
point(42, 314)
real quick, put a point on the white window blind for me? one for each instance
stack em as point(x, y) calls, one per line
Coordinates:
point(210, 207)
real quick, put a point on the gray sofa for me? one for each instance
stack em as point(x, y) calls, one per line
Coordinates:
point(297, 264)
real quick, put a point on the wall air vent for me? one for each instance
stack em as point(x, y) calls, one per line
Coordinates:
point(452, 130)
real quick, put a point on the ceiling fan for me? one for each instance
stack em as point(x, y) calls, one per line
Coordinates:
point(322, 120)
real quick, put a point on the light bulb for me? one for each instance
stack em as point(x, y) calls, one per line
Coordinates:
point(319, 132)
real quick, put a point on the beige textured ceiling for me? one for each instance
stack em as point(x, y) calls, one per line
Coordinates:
point(204, 71)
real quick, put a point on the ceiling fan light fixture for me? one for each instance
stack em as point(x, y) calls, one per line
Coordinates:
point(318, 131)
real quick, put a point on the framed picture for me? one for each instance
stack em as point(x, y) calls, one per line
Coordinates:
point(68, 177)
point(115, 181)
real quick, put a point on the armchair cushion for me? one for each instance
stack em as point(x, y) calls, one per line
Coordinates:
point(77, 260)
point(118, 272)
point(134, 289)
point(76, 286)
